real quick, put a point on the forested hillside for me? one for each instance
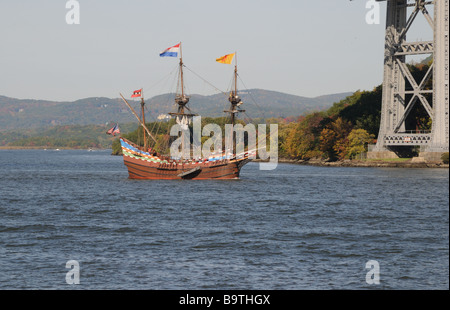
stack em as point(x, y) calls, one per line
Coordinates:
point(26, 114)
point(342, 131)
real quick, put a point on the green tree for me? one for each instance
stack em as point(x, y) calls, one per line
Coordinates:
point(364, 110)
point(357, 140)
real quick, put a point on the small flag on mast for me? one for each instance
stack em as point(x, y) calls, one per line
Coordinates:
point(171, 51)
point(227, 59)
point(137, 93)
point(113, 131)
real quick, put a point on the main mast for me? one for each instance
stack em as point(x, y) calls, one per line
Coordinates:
point(182, 100)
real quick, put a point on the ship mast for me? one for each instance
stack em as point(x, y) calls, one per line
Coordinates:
point(143, 120)
point(139, 119)
point(182, 100)
point(181, 77)
point(235, 101)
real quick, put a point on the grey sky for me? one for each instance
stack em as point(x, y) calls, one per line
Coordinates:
point(300, 47)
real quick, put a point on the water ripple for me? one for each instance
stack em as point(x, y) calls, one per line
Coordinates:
point(297, 227)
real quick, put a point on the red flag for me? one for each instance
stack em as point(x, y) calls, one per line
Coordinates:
point(137, 93)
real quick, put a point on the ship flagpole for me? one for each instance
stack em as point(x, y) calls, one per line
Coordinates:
point(181, 73)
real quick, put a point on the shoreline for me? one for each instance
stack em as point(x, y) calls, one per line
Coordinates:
point(364, 163)
point(48, 148)
point(408, 163)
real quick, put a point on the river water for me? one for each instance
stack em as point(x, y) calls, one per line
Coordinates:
point(292, 228)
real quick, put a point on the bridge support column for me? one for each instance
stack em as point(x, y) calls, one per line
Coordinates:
point(440, 128)
point(398, 102)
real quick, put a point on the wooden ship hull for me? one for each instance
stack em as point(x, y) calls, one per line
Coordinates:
point(145, 166)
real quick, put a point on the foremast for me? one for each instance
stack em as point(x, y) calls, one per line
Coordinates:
point(143, 120)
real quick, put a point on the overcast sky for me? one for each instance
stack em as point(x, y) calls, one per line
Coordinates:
point(306, 48)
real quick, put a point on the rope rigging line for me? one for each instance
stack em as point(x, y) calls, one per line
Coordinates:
point(166, 77)
point(204, 80)
point(251, 96)
point(146, 109)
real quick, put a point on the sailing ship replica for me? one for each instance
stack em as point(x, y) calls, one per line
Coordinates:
point(145, 163)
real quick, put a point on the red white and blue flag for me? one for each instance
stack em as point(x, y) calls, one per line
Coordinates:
point(113, 131)
point(171, 51)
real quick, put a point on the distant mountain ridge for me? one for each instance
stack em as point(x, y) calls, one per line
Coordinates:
point(258, 103)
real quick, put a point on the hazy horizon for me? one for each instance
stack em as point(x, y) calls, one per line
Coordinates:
point(162, 94)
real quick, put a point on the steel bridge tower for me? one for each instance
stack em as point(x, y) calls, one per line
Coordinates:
point(398, 101)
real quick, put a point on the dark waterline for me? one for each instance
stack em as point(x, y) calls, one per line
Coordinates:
point(296, 227)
